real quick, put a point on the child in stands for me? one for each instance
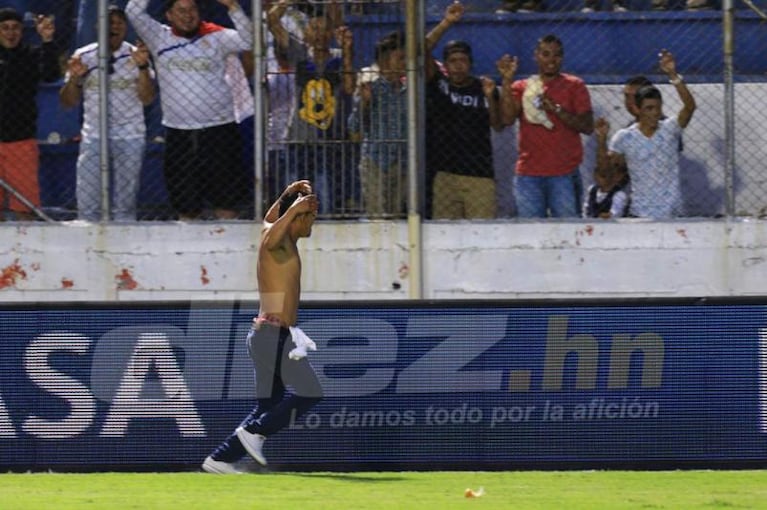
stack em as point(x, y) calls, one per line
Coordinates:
point(608, 197)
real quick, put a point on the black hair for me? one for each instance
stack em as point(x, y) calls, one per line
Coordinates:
point(170, 3)
point(287, 200)
point(646, 92)
point(457, 46)
point(551, 39)
point(390, 42)
point(638, 80)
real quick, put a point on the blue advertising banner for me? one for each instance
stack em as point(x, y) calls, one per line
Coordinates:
point(467, 385)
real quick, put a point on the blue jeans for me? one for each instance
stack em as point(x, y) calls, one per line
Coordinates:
point(269, 347)
point(126, 158)
point(541, 197)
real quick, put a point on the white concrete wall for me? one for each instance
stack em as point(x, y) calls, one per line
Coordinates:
point(499, 259)
point(369, 260)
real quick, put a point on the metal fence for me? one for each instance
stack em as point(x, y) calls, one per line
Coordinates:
point(304, 124)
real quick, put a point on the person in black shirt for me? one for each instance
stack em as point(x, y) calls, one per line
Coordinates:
point(22, 67)
point(461, 109)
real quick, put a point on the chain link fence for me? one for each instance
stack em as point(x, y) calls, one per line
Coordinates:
point(314, 126)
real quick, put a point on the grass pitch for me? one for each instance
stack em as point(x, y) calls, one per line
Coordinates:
point(390, 490)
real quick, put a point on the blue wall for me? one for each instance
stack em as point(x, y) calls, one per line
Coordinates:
point(602, 47)
point(466, 386)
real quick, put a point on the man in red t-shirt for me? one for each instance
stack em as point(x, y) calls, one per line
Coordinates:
point(553, 109)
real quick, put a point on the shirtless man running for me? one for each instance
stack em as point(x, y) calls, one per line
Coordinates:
point(276, 346)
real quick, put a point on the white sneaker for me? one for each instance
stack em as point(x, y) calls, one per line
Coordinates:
point(253, 444)
point(218, 467)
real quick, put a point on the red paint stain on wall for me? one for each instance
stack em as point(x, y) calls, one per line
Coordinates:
point(12, 274)
point(125, 280)
point(682, 232)
point(589, 229)
point(66, 283)
point(204, 275)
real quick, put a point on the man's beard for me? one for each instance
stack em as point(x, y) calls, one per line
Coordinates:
point(188, 33)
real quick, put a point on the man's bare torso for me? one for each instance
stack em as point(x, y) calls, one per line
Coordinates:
point(279, 282)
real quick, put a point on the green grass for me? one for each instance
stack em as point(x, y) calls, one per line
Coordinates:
point(398, 490)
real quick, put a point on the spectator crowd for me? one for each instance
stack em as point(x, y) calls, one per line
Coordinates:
point(344, 129)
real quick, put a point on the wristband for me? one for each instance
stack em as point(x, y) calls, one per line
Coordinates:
point(676, 81)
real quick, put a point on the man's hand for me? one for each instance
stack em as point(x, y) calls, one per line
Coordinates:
point(76, 68)
point(601, 128)
point(488, 87)
point(548, 104)
point(277, 9)
point(304, 187)
point(306, 204)
point(140, 55)
point(667, 63)
point(45, 27)
point(454, 12)
point(344, 38)
point(507, 67)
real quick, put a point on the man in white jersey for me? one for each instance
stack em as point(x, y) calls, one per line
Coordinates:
point(131, 87)
point(650, 147)
point(199, 73)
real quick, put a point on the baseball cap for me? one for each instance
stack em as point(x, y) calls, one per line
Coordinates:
point(9, 13)
point(456, 46)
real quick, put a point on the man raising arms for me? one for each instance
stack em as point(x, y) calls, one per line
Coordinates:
point(650, 147)
point(277, 361)
point(200, 78)
point(554, 109)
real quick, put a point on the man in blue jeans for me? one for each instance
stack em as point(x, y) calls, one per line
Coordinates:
point(276, 346)
point(553, 109)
